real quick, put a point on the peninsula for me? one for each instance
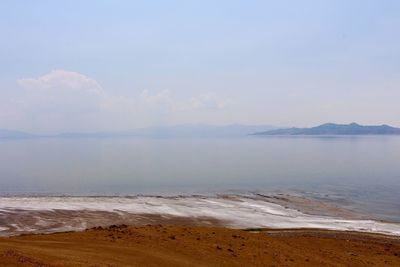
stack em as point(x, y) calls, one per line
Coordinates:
point(336, 129)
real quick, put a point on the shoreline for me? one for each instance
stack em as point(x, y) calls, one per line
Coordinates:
point(182, 244)
point(23, 215)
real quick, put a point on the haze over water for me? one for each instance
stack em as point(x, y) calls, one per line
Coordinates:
point(361, 173)
point(119, 112)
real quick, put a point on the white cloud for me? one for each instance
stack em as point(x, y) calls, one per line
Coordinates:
point(200, 102)
point(61, 93)
point(72, 101)
point(62, 80)
point(159, 100)
point(209, 101)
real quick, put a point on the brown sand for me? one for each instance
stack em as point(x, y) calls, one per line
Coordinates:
point(174, 245)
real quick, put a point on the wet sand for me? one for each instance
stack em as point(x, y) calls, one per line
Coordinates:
point(183, 244)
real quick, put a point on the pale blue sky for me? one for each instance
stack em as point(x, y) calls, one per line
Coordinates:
point(105, 65)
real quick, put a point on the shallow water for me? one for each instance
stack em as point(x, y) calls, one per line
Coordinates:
point(360, 173)
point(52, 214)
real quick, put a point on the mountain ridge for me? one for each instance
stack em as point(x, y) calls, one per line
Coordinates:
point(336, 129)
point(181, 130)
point(12, 134)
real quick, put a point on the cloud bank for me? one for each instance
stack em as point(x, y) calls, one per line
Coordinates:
point(79, 102)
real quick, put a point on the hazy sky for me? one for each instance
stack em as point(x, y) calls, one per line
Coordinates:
point(110, 65)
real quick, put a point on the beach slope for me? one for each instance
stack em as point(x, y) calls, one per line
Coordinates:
point(181, 245)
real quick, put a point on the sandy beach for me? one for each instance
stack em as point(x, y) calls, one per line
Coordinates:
point(183, 245)
point(190, 231)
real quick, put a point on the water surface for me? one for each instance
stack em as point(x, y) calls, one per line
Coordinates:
point(361, 173)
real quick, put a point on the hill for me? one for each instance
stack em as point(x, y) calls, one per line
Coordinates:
point(336, 129)
point(183, 130)
point(10, 134)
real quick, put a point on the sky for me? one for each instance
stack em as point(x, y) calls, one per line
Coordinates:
point(114, 65)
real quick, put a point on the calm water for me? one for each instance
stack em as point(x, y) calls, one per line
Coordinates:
point(362, 173)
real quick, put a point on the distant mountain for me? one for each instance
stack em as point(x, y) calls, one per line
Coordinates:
point(335, 129)
point(10, 134)
point(184, 130)
point(201, 130)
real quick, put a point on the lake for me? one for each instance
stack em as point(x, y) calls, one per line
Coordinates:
point(357, 172)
